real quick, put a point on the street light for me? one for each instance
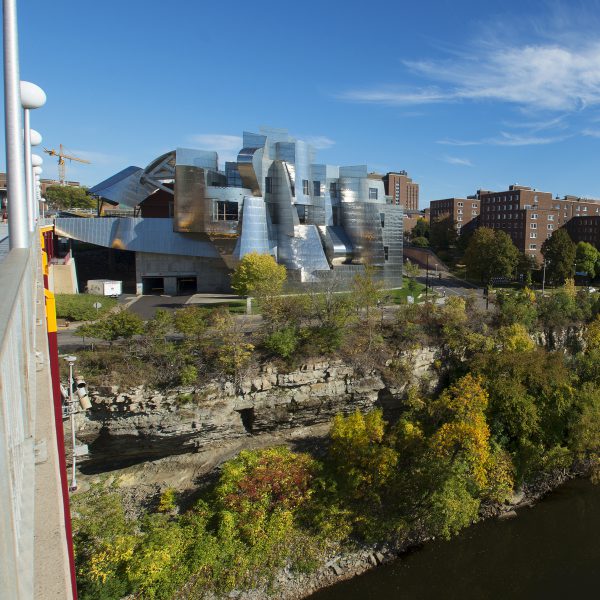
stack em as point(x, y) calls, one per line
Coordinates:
point(84, 402)
point(32, 97)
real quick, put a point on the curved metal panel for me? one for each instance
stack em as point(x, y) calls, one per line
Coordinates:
point(125, 187)
point(136, 234)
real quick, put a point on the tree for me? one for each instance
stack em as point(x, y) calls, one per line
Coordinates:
point(442, 233)
point(491, 253)
point(420, 242)
point(586, 259)
point(121, 324)
point(559, 253)
point(258, 275)
point(421, 229)
point(69, 196)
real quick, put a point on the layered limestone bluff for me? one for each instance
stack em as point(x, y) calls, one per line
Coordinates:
point(144, 424)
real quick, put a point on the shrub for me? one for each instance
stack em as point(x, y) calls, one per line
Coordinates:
point(283, 342)
point(420, 242)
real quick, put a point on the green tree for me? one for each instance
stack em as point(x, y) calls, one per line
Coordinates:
point(491, 253)
point(420, 242)
point(421, 229)
point(122, 324)
point(69, 196)
point(258, 275)
point(559, 253)
point(586, 258)
point(442, 233)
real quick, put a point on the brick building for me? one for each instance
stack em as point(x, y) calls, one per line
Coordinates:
point(585, 229)
point(460, 210)
point(530, 217)
point(402, 190)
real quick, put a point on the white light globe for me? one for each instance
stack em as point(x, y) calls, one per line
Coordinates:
point(38, 170)
point(35, 137)
point(32, 96)
point(36, 160)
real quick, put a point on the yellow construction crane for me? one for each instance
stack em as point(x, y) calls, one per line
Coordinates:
point(62, 167)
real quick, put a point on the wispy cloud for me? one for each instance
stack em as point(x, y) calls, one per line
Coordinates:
point(507, 139)
point(455, 160)
point(561, 76)
point(320, 142)
point(226, 146)
point(591, 133)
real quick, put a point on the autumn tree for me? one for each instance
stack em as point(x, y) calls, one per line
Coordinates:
point(258, 275)
point(559, 253)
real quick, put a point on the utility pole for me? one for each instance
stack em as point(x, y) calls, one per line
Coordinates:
point(544, 278)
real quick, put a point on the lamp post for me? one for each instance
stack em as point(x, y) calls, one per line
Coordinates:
point(32, 97)
point(544, 277)
point(71, 360)
point(15, 180)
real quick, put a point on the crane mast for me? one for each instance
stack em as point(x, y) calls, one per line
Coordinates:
point(62, 165)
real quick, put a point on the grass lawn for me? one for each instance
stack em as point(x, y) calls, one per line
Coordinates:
point(399, 296)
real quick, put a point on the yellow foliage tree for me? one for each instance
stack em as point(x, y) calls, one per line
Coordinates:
point(515, 338)
point(258, 275)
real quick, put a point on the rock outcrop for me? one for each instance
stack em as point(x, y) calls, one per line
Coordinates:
point(142, 424)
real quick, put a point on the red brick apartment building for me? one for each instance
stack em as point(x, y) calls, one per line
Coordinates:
point(529, 216)
point(460, 210)
point(402, 190)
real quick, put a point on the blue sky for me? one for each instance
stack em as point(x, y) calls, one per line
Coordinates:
point(462, 94)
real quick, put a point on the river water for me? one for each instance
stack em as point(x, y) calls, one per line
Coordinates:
point(549, 551)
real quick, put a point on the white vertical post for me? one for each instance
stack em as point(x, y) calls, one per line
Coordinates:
point(28, 169)
point(15, 172)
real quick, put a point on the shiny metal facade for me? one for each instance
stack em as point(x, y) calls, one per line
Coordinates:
point(315, 219)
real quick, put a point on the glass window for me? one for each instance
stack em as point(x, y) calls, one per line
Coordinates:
point(386, 252)
point(550, 217)
point(382, 217)
point(533, 246)
point(226, 211)
point(268, 185)
point(372, 193)
point(460, 204)
point(316, 188)
point(534, 216)
point(533, 235)
point(305, 189)
point(333, 190)
point(533, 225)
point(550, 226)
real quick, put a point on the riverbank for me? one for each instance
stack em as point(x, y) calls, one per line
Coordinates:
point(349, 564)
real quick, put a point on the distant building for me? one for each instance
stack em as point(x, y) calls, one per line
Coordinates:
point(460, 210)
point(194, 222)
point(530, 217)
point(585, 229)
point(402, 190)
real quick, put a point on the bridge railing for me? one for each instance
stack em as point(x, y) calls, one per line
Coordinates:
point(19, 277)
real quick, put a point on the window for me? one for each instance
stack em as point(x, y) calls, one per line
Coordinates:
point(382, 218)
point(372, 193)
point(533, 246)
point(533, 235)
point(305, 189)
point(386, 252)
point(268, 185)
point(460, 204)
point(225, 211)
point(550, 217)
point(316, 188)
point(473, 205)
point(585, 209)
point(533, 225)
point(474, 213)
point(459, 211)
point(550, 226)
point(333, 189)
point(459, 219)
point(534, 216)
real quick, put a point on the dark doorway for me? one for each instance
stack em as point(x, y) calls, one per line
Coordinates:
point(247, 416)
point(153, 285)
point(186, 285)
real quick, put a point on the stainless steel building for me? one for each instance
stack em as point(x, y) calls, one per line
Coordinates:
point(194, 221)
